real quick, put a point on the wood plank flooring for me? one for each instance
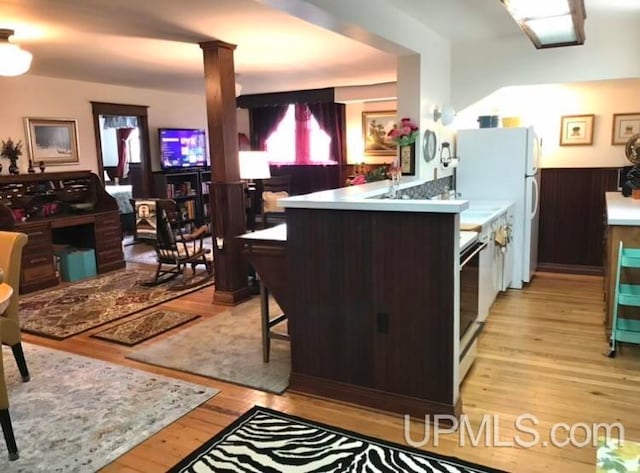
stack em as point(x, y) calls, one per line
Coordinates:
point(542, 353)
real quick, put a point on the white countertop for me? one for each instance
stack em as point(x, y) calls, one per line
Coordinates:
point(622, 210)
point(364, 197)
point(481, 212)
point(277, 233)
point(467, 238)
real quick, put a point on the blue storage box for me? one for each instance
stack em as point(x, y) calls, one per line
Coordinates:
point(77, 263)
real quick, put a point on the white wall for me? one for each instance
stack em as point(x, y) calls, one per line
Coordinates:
point(398, 33)
point(482, 67)
point(36, 96)
point(543, 106)
point(355, 136)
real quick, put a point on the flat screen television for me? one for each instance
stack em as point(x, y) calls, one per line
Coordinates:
point(182, 148)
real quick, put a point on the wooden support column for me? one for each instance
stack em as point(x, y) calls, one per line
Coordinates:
point(227, 198)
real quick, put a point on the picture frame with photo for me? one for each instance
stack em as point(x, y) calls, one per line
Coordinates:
point(576, 130)
point(375, 133)
point(52, 141)
point(625, 125)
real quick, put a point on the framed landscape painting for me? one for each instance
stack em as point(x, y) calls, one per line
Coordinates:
point(576, 130)
point(375, 133)
point(52, 140)
point(625, 125)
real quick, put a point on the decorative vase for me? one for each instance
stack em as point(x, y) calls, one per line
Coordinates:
point(42, 167)
point(31, 170)
point(13, 168)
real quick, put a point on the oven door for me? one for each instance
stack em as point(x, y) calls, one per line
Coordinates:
point(470, 327)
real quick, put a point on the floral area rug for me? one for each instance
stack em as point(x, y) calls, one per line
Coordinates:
point(62, 312)
point(145, 327)
point(77, 414)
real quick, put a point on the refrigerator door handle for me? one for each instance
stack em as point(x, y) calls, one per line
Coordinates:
point(535, 197)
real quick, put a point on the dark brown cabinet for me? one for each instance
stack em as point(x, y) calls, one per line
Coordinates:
point(66, 208)
point(369, 322)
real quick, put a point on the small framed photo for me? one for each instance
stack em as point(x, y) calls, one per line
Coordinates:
point(53, 141)
point(375, 133)
point(625, 125)
point(408, 160)
point(576, 130)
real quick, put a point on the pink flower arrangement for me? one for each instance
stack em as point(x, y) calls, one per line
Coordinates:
point(359, 179)
point(405, 134)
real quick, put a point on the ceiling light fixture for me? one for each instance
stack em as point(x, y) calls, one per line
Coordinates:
point(549, 23)
point(13, 60)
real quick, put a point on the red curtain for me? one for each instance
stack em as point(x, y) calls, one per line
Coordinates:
point(263, 122)
point(122, 134)
point(303, 134)
point(332, 120)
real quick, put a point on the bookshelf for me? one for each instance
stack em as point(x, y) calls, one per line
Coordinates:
point(189, 189)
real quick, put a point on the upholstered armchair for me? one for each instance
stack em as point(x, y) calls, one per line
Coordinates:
point(11, 245)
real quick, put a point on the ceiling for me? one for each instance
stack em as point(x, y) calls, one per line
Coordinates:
point(154, 43)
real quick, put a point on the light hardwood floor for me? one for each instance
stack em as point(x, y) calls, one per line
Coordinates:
point(542, 353)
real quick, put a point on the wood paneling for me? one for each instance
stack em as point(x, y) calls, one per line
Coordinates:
point(572, 218)
point(306, 178)
point(363, 313)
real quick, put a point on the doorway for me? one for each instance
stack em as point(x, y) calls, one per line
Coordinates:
point(122, 146)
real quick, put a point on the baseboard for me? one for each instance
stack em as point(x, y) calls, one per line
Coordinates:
point(571, 269)
point(372, 398)
point(231, 297)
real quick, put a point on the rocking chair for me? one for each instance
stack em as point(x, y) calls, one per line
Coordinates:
point(177, 246)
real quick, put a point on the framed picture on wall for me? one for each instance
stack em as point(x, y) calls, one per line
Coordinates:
point(52, 140)
point(576, 130)
point(375, 133)
point(625, 125)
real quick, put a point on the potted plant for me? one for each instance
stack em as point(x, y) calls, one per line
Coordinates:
point(12, 151)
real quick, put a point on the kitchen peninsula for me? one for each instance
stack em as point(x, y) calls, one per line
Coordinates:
point(374, 297)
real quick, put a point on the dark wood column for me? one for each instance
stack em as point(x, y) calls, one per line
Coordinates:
point(227, 197)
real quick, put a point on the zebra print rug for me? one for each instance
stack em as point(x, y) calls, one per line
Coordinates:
point(264, 440)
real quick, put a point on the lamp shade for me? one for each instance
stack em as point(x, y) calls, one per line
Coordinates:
point(13, 60)
point(254, 165)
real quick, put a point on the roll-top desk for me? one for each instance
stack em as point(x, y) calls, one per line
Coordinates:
point(63, 208)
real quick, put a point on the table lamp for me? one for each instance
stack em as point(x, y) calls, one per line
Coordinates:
point(253, 165)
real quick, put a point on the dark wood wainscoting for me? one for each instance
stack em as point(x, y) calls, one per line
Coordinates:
point(572, 213)
point(310, 178)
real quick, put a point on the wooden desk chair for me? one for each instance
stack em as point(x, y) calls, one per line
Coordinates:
point(273, 189)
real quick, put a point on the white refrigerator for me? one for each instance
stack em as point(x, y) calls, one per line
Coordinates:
point(502, 164)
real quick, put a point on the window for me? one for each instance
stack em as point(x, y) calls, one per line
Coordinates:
point(298, 139)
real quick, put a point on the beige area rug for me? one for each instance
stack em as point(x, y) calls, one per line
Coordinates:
point(78, 414)
point(228, 347)
point(65, 311)
point(145, 327)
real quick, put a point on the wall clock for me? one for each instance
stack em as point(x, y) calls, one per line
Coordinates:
point(429, 145)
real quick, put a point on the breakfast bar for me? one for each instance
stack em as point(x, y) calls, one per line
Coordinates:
point(373, 299)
